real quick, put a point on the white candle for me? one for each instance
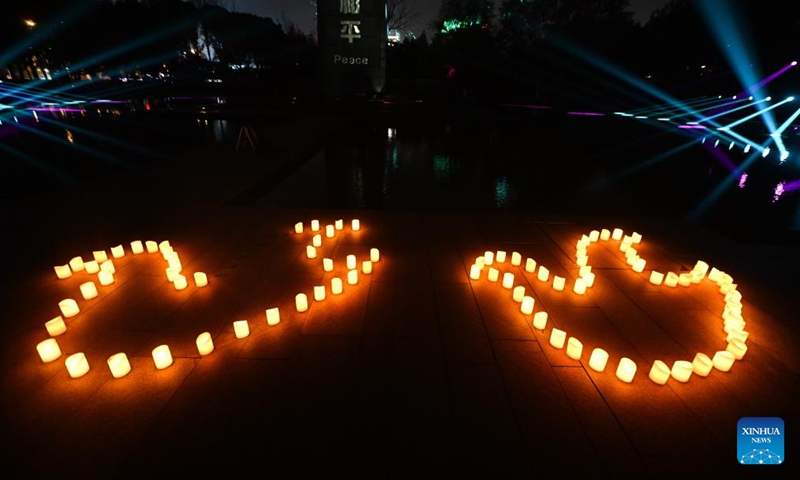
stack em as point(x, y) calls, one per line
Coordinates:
point(355, 225)
point(56, 326)
point(702, 365)
point(105, 277)
point(298, 227)
point(205, 344)
point(171, 274)
point(616, 234)
point(557, 338)
point(681, 370)
point(108, 266)
point(488, 257)
point(311, 252)
point(336, 285)
point(327, 264)
point(338, 224)
point(626, 369)
point(737, 347)
point(352, 277)
point(605, 234)
point(580, 286)
point(273, 316)
point(474, 271)
point(200, 279)
point(671, 280)
point(329, 232)
point(152, 247)
point(530, 265)
point(540, 320)
point(162, 357)
point(48, 350)
point(656, 278)
point(319, 293)
point(574, 348)
point(588, 279)
point(638, 265)
point(516, 259)
point(527, 305)
point(544, 274)
point(119, 365)
point(684, 279)
point(500, 257)
point(659, 372)
point(558, 283)
point(118, 251)
point(241, 328)
point(508, 280)
point(374, 255)
point(636, 237)
point(493, 275)
point(69, 307)
point(63, 271)
point(180, 282)
point(518, 293)
point(366, 267)
point(738, 335)
point(723, 360)
point(100, 256)
point(598, 359)
point(88, 290)
point(351, 262)
point(317, 240)
point(77, 365)
point(314, 225)
point(91, 267)
point(301, 302)
point(76, 264)
point(137, 247)
point(164, 247)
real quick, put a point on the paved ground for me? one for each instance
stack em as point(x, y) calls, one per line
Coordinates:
point(416, 371)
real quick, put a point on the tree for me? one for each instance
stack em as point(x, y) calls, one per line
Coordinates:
point(399, 15)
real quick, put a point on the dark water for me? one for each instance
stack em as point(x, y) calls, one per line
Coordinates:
point(548, 163)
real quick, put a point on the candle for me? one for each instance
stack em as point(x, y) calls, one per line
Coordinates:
point(273, 316)
point(681, 370)
point(48, 350)
point(119, 365)
point(100, 256)
point(118, 251)
point(366, 267)
point(598, 359)
point(137, 247)
point(162, 357)
point(301, 302)
point(544, 274)
point(723, 360)
point(475, 272)
point(329, 232)
point(152, 247)
point(314, 225)
point(317, 240)
point(527, 305)
point(656, 278)
point(616, 234)
point(311, 252)
point(493, 275)
point(351, 262)
point(336, 285)
point(88, 290)
point(200, 279)
point(77, 365)
point(327, 264)
point(500, 257)
point(636, 237)
point(557, 338)
point(671, 280)
point(319, 293)
point(91, 267)
point(737, 347)
point(374, 255)
point(180, 282)
point(638, 265)
point(355, 225)
point(738, 335)
point(580, 286)
point(76, 264)
point(171, 274)
point(659, 372)
point(338, 224)
point(530, 265)
point(540, 320)
point(558, 283)
point(605, 234)
point(518, 293)
point(588, 279)
point(516, 259)
point(69, 307)
point(108, 266)
point(702, 365)
point(574, 348)
point(488, 257)
point(352, 277)
point(241, 328)
point(684, 279)
point(508, 280)
point(105, 277)
point(626, 369)
point(56, 326)
point(63, 271)
point(298, 227)
point(205, 344)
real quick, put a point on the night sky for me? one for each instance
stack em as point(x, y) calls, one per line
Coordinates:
point(301, 12)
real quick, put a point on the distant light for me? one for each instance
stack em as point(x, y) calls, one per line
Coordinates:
point(30, 23)
point(716, 143)
point(704, 140)
point(769, 98)
point(734, 97)
point(765, 153)
point(720, 96)
point(742, 179)
point(779, 188)
point(731, 146)
point(640, 116)
point(663, 119)
point(751, 98)
point(784, 156)
point(691, 123)
point(747, 148)
point(790, 99)
point(794, 63)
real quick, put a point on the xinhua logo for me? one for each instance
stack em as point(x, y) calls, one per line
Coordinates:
point(760, 441)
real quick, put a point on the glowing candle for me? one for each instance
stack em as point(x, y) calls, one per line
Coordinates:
point(636, 237)
point(338, 224)
point(100, 256)
point(241, 328)
point(119, 365)
point(174, 261)
point(311, 252)
point(69, 307)
point(737, 347)
point(108, 266)
point(152, 247)
point(701, 267)
point(366, 267)
point(48, 350)
point(540, 320)
point(723, 360)
point(200, 279)
point(298, 227)
point(137, 247)
point(162, 357)
point(329, 231)
point(558, 283)
point(88, 290)
point(273, 316)
point(76, 264)
point(180, 282)
point(105, 277)
point(355, 225)
point(500, 257)
point(656, 278)
point(727, 287)
point(616, 234)
point(702, 365)
point(327, 264)
point(557, 338)
point(488, 257)
point(671, 280)
point(582, 260)
point(594, 235)
point(508, 280)
point(77, 365)
point(91, 267)
point(314, 225)
point(205, 344)
point(738, 335)
point(516, 259)
point(580, 286)
point(733, 326)
point(480, 261)
point(475, 272)
point(659, 372)
point(351, 262)
point(526, 306)
point(588, 279)
point(63, 271)
point(301, 302)
point(574, 348)
point(352, 277)
point(56, 326)
point(605, 234)
point(530, 265)
point(684, 279)
point(625, 247)
point(544, 273)
point(317, 240)
point(171, 274)
point(319, 293)
point(638, 265)
point(518, 293)
point(598, 359)
point(714, 274)
point(626, 369)
point(681, 370)
point(374, 255)
point(164, 246)
point(118, 251)
point(336, 285)
point(494, 274)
